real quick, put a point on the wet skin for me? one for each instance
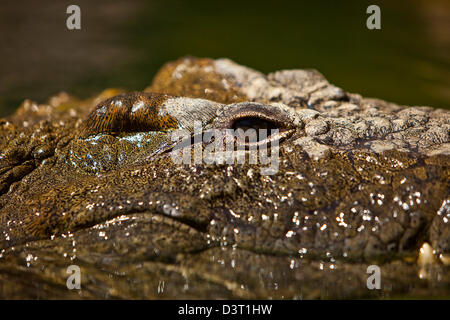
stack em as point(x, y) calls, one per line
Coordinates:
point(92, 183)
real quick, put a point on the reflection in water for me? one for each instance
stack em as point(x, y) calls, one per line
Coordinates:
point(228, 273)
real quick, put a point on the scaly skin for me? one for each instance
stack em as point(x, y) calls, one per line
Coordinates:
point(91, 183)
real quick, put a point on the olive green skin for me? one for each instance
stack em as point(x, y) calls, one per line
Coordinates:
point(140, 226)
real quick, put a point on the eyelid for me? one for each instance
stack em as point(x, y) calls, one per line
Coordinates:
point(234, 112)
point(130, 112)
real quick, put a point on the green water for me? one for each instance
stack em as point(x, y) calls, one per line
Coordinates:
point(123, 45)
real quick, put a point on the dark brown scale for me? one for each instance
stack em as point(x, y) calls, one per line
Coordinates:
point(129, 112)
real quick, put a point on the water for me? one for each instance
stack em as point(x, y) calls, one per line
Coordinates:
point(123, 43)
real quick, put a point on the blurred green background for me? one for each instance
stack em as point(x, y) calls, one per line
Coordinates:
point(123, 43)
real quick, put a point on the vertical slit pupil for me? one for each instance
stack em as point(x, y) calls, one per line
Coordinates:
point(256, 124)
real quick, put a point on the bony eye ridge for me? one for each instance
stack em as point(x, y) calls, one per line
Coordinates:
point(130, 112)
point(144, 111)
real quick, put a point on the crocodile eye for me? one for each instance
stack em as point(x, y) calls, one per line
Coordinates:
point(256, 116)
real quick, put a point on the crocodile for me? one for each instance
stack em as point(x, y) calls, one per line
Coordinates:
point(91, 182)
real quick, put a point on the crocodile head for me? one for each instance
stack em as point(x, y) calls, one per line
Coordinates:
point(352, 182)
